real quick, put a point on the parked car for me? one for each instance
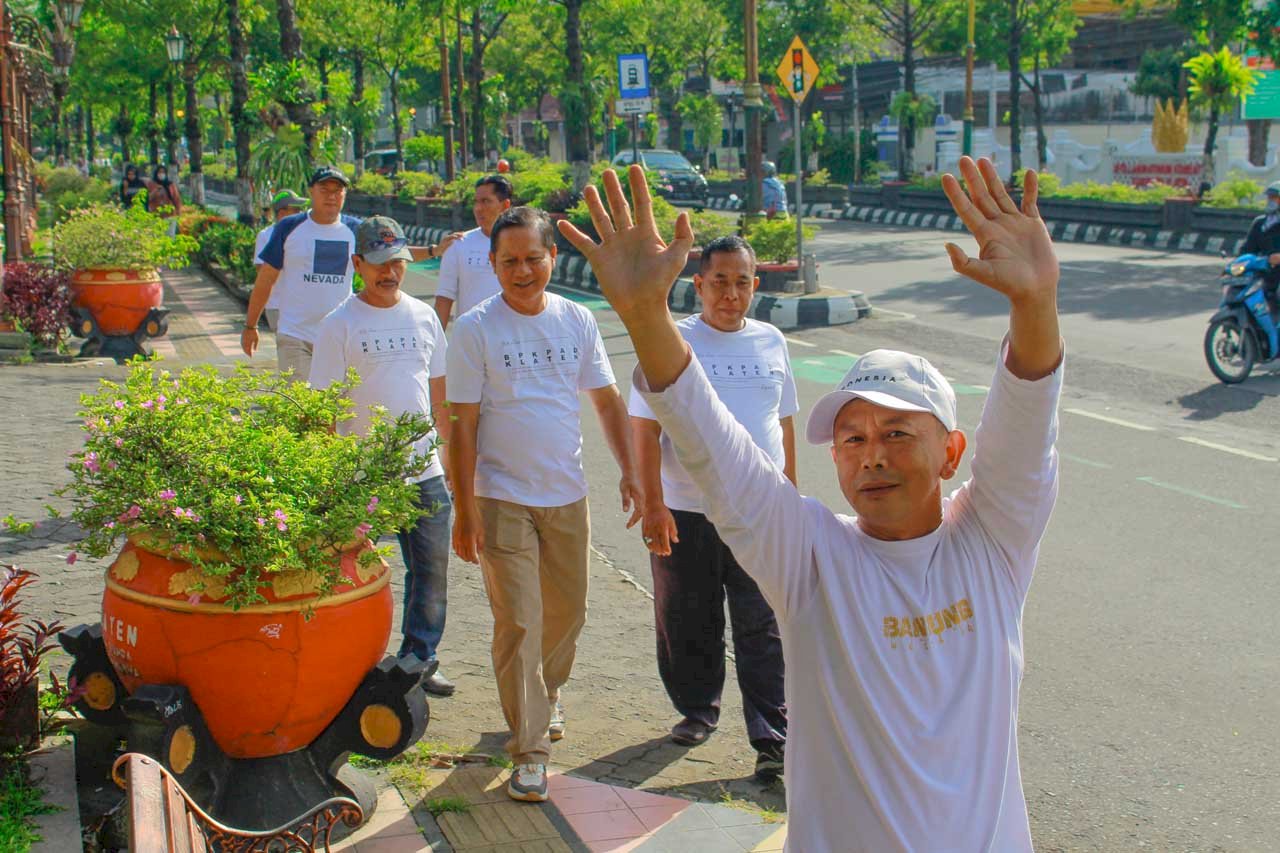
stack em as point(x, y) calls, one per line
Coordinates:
point(680, 179)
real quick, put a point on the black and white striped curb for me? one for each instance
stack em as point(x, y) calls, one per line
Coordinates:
point(785, 312)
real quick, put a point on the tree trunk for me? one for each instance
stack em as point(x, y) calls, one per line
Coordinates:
point(1259, 140)
point(579, 127)
point(1015, 81)
point(90, 139)
point(239, 121)
point(1042, 141)
point(59, 151)
point(195, 144)
point(357, 121)
point(397, 126)
point(299, 107)
point(464, 139)
point(907, 129)
point(122, 130)
point(171, 128)
point(675, 122)
point(1210, 141)
point(153, 133)
point(476, 77)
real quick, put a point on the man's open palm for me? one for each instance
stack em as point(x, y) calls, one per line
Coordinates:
point(633, 264)
point(1015, 254)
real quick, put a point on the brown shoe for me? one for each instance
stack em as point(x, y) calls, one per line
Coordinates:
point(689, 732)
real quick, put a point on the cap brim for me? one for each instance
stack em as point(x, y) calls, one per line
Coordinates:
point(381, 256)
point(820, 428)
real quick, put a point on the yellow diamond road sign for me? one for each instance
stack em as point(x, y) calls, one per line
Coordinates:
point(797, 71)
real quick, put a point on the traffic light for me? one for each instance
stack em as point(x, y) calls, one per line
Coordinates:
point(797, 70)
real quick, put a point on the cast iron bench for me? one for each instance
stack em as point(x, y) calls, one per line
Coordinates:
point(163, 819)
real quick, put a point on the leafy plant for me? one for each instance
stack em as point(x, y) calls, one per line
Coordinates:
point(775, 239)
point(280, 161)
point(371, 183)
point(1236, 191)
point(20, 800)
point(67, 190)
point(103, 235)
point(37, 298)
point(411, 185)
point(1218, 81)
point(423, 147)
point(241, 475)
point(23, 644)
point(230, 245)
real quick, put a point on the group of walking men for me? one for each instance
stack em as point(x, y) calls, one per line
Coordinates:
point(902, 625)
point(512, 370)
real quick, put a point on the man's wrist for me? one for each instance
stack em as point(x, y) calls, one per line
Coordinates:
point(251, 327)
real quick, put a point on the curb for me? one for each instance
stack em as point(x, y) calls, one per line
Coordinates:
point(53, 768)
point(784, 311)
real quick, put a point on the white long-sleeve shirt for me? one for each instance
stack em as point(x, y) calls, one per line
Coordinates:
point(903, 659)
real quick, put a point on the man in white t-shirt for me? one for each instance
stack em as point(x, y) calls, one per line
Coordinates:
point(466, 274)
point(308, 257)
point(285, 203)
point(903, 625)
point(397, 347)
point(517, 364)
point(694, 571)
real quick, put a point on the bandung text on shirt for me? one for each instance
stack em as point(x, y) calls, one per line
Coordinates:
point(524, 359)
point(958, 616)
point(329, 262)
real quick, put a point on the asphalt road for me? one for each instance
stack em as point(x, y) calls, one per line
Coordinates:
point(1152, 685)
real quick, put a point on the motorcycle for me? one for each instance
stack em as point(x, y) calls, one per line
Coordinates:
point(1243, 331)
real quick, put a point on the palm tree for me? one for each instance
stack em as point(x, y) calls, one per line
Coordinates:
point(1218, 81)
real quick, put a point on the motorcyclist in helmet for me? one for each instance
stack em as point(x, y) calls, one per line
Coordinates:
point(1264, 239)
point(773, 195)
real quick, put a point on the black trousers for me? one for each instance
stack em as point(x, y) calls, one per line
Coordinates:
point(690, 588)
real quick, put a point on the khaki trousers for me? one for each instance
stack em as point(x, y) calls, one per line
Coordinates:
point(535, 573)
point(294, 354)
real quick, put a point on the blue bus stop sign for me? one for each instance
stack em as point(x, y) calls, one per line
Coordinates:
point(633, 76)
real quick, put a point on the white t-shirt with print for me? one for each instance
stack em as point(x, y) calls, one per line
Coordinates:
point(526, 373)
point(394, 350)
point(314, 261)
point(273, 301)
point(904, 659)
point(751, 372)
point(466, 276)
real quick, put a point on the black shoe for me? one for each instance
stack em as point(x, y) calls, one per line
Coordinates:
point(769, 762)
point(690, 732)
point(437, 685)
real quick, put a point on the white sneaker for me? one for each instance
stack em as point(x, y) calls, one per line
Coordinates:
point(528, 783)
point(555, 730)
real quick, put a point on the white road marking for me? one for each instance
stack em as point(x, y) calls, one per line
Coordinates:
point(800, 342)
point(1191, 493)
point(1091, 463)
point(1190, 439)
point(878, 312)
point(1110, 420)
point(845, 353)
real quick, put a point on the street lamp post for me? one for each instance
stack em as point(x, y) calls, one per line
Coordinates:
point(446, 113)
point(176, 46)
point(967, 140)
point(752, 105)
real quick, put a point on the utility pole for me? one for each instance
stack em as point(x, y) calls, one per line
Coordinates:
point(752, 106)
point(966, 146)
point(857, 125)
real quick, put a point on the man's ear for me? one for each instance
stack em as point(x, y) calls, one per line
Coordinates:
point(697, 283)
point(755, 283)
point(956, 444)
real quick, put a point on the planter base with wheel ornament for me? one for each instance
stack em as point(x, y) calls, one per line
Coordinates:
point(255, 709)
point(117, 310)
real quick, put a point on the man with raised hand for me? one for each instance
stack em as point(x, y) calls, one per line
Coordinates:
point(518, 363)
point(903, 624)
point(694, 572)
point(466, 273)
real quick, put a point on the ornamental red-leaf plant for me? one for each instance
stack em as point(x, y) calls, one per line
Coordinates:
point(37, 297)
point(23, 643)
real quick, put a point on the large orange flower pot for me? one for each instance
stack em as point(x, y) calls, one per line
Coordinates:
point(266, 678)
point(118, 299)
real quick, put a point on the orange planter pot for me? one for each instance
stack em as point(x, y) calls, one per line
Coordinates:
point(118, 299)
point(267, 679)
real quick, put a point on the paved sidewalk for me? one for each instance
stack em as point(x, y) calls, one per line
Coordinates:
point(467, 809)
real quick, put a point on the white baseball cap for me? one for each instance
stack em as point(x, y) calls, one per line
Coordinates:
point(889, 378)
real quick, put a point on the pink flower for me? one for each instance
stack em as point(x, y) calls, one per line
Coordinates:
point(261, 521)
point(281, 526)
point(146, 404)
point(131, 513)
point(72, 557)
point(168, 495)
point(161, 400)
point(119, 404)
point(279, 515)
point(239, 500)
point(112, 465)
point(372, 505)
point(109, 525)
point(91, 462)
point(178, 512)
point(362, 530)
point(119, 442)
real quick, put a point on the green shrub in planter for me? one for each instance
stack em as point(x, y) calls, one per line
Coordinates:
point(1236, 191)
point(774, 240)
point(104, 236)
point(411, 185)
point(371, 183)
point(230, 245)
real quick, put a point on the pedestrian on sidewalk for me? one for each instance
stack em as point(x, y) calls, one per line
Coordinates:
point(694, 571)
point(466, 274)
point(308, 256)
point(902, 625)
point(163, 193)
point(517, 364)
point(397, 347)
point(131, 185)
point(284, 203)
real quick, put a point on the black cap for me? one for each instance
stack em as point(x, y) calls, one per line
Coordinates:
point(329, 173)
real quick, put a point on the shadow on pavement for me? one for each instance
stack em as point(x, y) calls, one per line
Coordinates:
point(1218, 399)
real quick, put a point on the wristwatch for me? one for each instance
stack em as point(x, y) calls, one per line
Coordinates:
point(431, 250)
